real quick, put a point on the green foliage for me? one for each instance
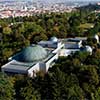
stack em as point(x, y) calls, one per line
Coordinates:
point(89, 74)
point(7, 30)
point(96, 95)
point(6, 88)
point(81, 56)
point(29, 92)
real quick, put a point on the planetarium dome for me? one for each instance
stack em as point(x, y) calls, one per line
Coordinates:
point(32, 53)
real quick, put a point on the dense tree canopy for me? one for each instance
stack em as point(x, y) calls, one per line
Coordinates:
point(71, 78)
point(6, 88)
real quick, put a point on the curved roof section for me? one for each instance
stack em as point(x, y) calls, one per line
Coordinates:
point(87, 49)
point(97, 38)
point(31, 54)
point(54, 39)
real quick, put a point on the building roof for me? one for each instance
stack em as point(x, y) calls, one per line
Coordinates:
point(23, 67)
point(74, 40)
point(17, 65)
point(54, 39)
point(31, 54)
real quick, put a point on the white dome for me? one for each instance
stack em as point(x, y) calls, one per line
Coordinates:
point(88, 49)
point(54, 39)
point(97, 38)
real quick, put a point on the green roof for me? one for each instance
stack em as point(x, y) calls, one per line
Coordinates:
point(31, 54)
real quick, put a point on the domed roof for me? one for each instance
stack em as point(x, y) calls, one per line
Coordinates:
point(54, 39)
point(87, 49)
point(32, 53)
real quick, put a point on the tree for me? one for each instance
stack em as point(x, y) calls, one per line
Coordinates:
point(29, 92)
point(7, 30)
point(88, 73)
point(65, 87)
point(6, 53)
point(81, 56)
point(6, 88)
point(96, 95)
point(59, 85)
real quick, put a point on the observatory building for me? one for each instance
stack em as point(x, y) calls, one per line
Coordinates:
point(42, 56)
point(34, 58)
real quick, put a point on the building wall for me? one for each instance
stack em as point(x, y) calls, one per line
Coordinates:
point(73, 45)
point(70, 51)
point(48, 63)
point(48, 44)
point(7, 70)
point(12, 70)
point(32, 71)
point(42, 66)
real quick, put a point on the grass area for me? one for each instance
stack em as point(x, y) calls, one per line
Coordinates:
point(86, 25)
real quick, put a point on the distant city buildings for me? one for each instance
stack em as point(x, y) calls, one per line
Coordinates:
point(28, 8)
point(22, 8)
point(15, 9)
